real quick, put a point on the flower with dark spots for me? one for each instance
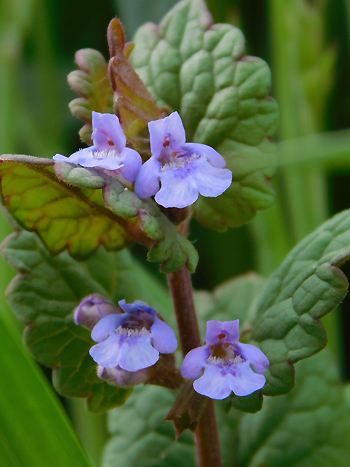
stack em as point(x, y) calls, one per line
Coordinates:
point(178, 172)
point(224, 364)
point(109, 151)
point(131, 340)
point(91, 309)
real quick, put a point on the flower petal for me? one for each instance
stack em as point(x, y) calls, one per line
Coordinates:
point(229, 330)
point(60, 158)
point(255, 357)
point(208, 152)
point(106, 326)
point(214, 383)
point(106, 128)
point(194, 362)
point(136, 307)
point(147, 182)
point(107, 159)
point(137, 352)
point(163, 337)
point(106, 353)
point(132, 163)
point(170, 127)
point(178, 189)
point(78, 157)
point(245, 381)
point(212, 181)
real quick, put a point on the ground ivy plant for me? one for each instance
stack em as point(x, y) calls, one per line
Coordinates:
point(177, 125)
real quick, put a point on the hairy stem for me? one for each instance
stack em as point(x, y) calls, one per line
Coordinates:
point(206, 433)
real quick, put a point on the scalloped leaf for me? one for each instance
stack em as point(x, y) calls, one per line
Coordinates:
point(92, 84)
point(200, 69)
point(308, 427)
point(63, 216)
point(43, 296)
point(308, 284)
point(79, 210)
point(139, 432)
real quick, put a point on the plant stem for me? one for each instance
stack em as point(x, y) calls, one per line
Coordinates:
point(206, 433)
point(181, 290)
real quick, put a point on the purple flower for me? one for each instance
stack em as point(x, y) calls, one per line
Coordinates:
point(91, 309)
point(108, 151)
point(131, 340)
point(224, 364)
point(178, 171)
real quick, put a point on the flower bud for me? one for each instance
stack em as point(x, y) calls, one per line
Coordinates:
point(91, 309)
point(122, 377)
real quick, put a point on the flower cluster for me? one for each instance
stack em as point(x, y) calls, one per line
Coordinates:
point(128, 343)
point(175, 174)
point(130, 340)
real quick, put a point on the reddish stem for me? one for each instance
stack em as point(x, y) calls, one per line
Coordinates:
point(206, 433)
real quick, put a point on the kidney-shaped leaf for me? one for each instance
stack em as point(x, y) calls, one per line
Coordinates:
point(200, 69)
point(306, 286)
point(308, 427)
point(44, 294)
point(64, 217)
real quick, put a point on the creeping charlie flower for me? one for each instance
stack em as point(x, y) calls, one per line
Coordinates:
point(91, 309)
point(131, 340)
point(109, 149)
point(178, 172)
point(224, 364)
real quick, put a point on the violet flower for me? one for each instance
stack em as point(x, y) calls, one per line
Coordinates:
point(178, 171)
point(91, 309)
point(224, 364)
point(131, 340)
point(109, 149)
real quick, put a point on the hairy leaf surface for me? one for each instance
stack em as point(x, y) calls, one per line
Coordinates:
point(201, 70)
point(308, 284)
point(44, 294)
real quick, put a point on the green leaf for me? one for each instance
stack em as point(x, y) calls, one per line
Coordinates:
point(171, 249)
point(306, 286)
point(43, 296)
point(308, 427)
point(92, 84)
point(64, 217)
point(78, 176)
point(79, 210)
point(200, 70)
point(34, 430)
point(141, 435)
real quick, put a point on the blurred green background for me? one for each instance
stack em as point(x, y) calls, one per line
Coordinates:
point(307, 45)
